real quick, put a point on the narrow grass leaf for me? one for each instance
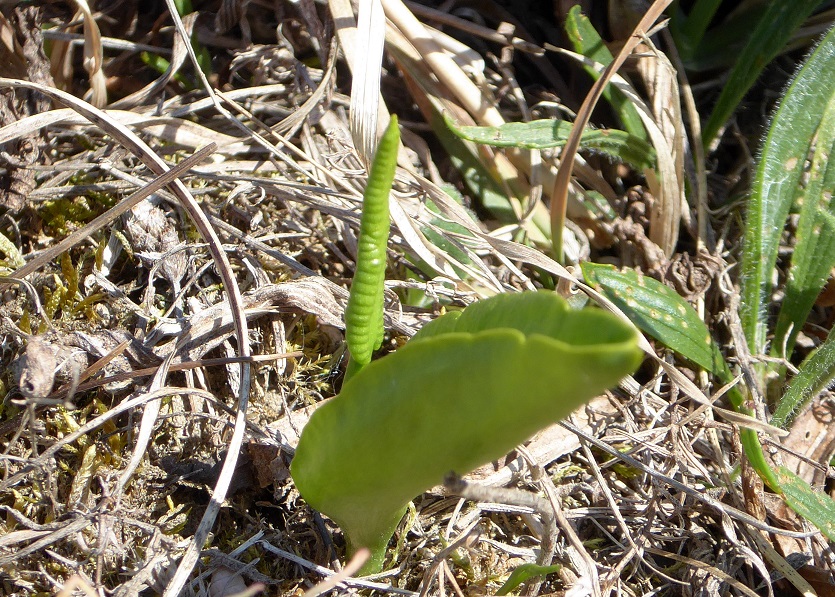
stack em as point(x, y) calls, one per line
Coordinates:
point(524, 573)
point(689, 30)
point(779, 181)
point(544, 134)
point(815, 374)
point(778, 21)
point(724, 40)
point(814, 252)
point(452, 400)
point(816, 507)
point(587, 41)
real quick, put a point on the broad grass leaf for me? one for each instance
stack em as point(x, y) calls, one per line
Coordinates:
point(779, 183)
point(452, 402)
point(778, 21)
point(544, 134)
point(814, 252)
point(660, 312)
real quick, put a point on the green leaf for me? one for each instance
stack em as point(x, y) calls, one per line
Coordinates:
point(460, 395)
point(816, 507)
point(816, 372)
point(524, 573)
point(587, 41)
point(543, 134)
point(364, 311)
point(688, 31)
point(718, 47)
point(779, 182)
point(814, 252)
point(778, 21)
point(14, 259)
point(660, 312)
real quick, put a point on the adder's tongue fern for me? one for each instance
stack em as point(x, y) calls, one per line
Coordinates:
point(364, 312)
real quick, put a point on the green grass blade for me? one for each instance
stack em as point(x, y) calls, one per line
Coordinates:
point(689, 30)
point(778, 183)
point(587, 41)
point(814, 252)
point(524, 573)
point(778, 21)
point(544, 134)
point(723, 42)
point(816, 507)
point(364, 312)
point(815, 374)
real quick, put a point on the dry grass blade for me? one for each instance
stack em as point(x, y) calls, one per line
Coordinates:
point(110, 215)
point(447, 71)
point(365, 87)
point(334, 581)
point(146, 425)
point(698, 495)
point(711, 569)
point(660, 78)
point(559, 196)
point(178, 57)
point(93, 56)
point(153, 161)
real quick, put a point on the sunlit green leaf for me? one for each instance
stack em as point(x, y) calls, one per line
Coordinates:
point(587, 41)
point(815, 506)
point(814, 375)
point(463, 393)
point(542, 134)
point(659, 311)
point(779, 183)
point(814, 252)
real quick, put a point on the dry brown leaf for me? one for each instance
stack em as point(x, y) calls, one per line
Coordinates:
point(811, 442)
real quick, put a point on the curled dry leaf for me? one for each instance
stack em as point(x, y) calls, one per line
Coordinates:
point(37, 367)
point(152, 235)
point(812, 436)
point(227, 583)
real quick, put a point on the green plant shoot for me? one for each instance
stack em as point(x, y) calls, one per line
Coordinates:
point(660, 312)
point(799, 125)
point(587, 41)
point(544, 134)
point(467, 389)
point(778, 20)
point(364, 312)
